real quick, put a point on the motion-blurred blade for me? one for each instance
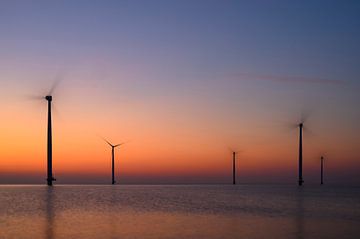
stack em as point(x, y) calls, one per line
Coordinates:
point(234, 150)
point(34, 97)
point(305, 114)
point(108, 142)
point(292, 125)
point(56, 83)
point(231, 149)
point(122, 143)
point(56, 112)
point(308, 131)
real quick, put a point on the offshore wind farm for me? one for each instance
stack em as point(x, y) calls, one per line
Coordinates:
point(184, 80)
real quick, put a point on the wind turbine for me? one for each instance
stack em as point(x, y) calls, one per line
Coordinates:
point(234, 153)
point(322, 170)
point(50, 177)
point(301, 126)
point(301, 130)
point(112, 160)
point(234, 167)
point(49, 98)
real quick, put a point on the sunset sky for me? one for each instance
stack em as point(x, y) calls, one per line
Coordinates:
point(181, 82)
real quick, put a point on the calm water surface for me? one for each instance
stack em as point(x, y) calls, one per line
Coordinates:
point(219, 211)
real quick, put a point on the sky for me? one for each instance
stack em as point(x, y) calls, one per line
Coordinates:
point(182, 83)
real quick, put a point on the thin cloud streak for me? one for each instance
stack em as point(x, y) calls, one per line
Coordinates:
point(289, 79)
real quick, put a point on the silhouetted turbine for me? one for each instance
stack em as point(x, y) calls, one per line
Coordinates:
point(322, 170)
point(49, 98)
point(234, 168)
point(301, 181)
point(112, 160)
point(50, 177)
point(301, 130)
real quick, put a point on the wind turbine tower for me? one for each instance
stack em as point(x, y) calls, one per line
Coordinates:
point(234, 168)
point(301, 181)
point(322, 170)
point(50, 177)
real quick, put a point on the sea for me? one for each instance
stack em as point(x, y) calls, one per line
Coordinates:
point(179, 211)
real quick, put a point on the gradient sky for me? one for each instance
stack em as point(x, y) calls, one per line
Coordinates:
point(182, 81)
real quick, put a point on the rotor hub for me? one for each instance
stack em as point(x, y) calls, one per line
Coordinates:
point(48, 98)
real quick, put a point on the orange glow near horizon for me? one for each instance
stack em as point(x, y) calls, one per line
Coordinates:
point(165, 147)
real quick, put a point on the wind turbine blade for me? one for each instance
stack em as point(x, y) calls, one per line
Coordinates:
point(56, 112)
point(239, 151)
point(293, 126)
point(119, 144)
point(34, 97)
point(56, 83)
point(108, 142)
point(122, 143)
point(234, 150)
point(305, 114)
point(308, 131)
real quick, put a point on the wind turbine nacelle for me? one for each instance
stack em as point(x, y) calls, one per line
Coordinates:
point(48, 98)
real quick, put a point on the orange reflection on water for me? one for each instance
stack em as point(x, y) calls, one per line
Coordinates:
point(170, 212)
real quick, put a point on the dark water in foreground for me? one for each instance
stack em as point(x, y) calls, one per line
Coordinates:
point(218, 211)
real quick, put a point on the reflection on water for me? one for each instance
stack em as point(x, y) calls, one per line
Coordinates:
point(49, 229)
point(112, 218)
point(300, 214)
point(179, 212)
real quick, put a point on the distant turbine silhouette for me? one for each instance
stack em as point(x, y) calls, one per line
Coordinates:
point(234, 153)
point(301, 130)
point(234, 167)
point(322, 170)
point(112, 160)
point(301, 126)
